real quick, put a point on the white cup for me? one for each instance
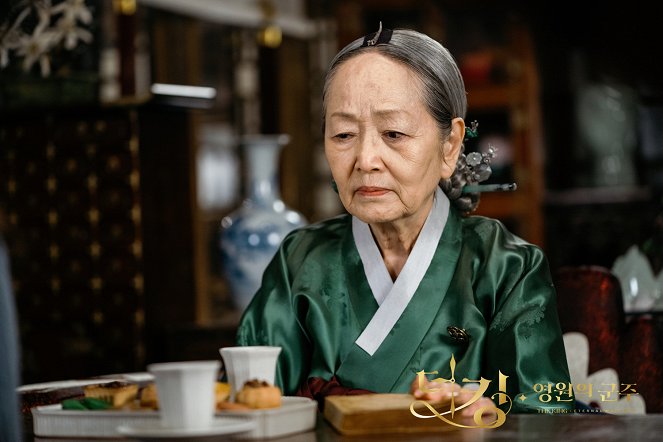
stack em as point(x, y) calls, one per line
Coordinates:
point(186, 392)
point(251, 362)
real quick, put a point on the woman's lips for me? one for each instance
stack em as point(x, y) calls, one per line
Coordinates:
point(371, 191)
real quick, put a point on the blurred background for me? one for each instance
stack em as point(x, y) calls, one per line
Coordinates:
point(113, 187)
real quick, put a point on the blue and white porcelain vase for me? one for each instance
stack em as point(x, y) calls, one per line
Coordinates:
point(251, 234)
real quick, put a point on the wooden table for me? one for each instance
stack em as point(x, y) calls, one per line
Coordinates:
point(539, 428)
point(518, 427)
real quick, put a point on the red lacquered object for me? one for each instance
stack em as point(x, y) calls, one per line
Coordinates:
point(589, 301)
point(642, 359)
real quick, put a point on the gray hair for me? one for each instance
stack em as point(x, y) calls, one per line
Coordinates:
point(443, 89)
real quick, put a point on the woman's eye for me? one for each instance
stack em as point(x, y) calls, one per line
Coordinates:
point(393, 135)
point(343, 136)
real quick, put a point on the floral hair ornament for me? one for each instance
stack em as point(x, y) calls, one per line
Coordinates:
point(382, 36)
point(475, 167)
point(462, 187)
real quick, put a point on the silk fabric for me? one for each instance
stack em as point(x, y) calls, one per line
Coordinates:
point(315, 301)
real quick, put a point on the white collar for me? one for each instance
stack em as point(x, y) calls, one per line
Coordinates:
point(393, 297)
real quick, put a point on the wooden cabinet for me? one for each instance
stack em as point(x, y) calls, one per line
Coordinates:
point(102, 235)
point(70, 189)
point(510, 109)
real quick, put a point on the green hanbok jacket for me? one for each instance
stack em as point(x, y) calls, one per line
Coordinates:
point(315, 301)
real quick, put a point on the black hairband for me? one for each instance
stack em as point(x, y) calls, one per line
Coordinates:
point(382, 36)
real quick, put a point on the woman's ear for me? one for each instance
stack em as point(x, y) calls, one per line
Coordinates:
point(452, 147)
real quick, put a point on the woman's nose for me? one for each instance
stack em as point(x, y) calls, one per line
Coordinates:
point(368, 154)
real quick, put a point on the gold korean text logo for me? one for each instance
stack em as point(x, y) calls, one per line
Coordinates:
point(603, 397)
point(501, 397)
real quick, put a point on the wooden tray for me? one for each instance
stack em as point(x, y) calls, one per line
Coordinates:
point(381, 413)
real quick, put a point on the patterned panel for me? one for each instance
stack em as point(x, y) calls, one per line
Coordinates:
point(70, 187)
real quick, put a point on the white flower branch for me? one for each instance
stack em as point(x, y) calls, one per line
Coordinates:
point(57, 26)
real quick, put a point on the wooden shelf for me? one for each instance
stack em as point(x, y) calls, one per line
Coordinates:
point(498, 205)
point(489, 96)
point(516, 100)
point(597, 195)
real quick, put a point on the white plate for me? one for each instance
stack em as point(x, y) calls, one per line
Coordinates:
point(296, 415)
point(56, 385)
point(53, 421)
point(154, 430)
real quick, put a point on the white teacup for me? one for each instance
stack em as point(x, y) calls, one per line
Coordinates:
point(250, 362)
point(186, 392)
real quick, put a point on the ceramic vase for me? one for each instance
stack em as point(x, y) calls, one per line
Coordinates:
point(251, 235)
point(607, 118)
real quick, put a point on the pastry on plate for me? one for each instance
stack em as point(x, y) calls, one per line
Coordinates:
point(259, 394)
point(116, 393)
point(148, 396)
point(222, 391)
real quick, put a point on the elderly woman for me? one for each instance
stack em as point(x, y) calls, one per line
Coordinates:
point(405, 280)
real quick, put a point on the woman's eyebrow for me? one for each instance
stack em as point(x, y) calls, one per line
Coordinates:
point(390, 113)
point(393, 115)
point(382, 113)
point(344, 115)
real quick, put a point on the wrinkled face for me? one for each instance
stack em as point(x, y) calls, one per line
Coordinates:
point(385, 150)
